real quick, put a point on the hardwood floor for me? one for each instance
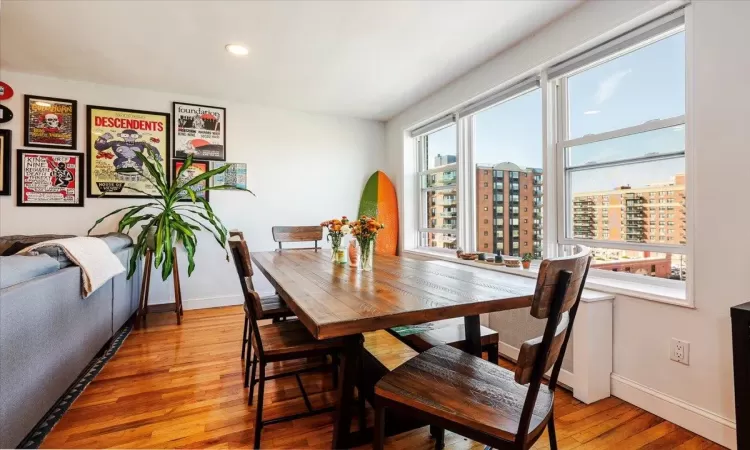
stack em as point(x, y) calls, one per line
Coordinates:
point(175, 386)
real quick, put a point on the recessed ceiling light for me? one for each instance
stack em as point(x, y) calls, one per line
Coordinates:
point(237, 49)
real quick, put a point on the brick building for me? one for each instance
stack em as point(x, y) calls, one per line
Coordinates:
point(509, 209)
point(653, 214)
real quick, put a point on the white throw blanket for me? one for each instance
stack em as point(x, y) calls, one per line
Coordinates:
point(97, 262)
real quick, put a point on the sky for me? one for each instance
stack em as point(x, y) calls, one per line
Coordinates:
point(643, 85)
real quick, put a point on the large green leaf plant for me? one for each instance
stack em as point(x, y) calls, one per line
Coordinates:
point(176, 214)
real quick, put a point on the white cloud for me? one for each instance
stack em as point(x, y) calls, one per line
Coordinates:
point(608, 87)
point(589, 113)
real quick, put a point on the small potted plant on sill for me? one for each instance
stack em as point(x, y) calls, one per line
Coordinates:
point(526, 261)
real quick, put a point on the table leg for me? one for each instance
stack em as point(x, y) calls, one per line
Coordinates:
point(473, 335)
point(345, 394)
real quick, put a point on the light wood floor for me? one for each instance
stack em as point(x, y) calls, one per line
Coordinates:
point(175, 386)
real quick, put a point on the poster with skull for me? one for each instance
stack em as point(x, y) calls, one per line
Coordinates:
point(200, 131)
point(115, 137)
point(49, 122)
point(47, 178)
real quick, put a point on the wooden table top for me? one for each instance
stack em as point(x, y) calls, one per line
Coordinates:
point(334, 300)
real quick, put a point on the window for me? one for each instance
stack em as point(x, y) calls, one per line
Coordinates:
point(507, 136)
point(439, 188)
point(622, 137)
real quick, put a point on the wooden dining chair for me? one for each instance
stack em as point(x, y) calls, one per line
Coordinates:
point(272, 307)
point(298, 234)
point(454, 390)
point(277, 342)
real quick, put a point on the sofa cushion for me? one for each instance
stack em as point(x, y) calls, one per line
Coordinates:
point(8, 241)
point(116, 241)
point(19, 268)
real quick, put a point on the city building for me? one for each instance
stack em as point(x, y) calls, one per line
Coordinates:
point(509, 209)
point(653, 214)
point(442, 211)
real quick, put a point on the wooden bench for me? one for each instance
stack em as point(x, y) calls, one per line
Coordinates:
point(450, 331)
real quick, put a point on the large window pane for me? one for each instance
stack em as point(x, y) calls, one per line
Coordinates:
point(440, 148)
point(642, 202)
point(442, 209)
point(650, 144)
point(643, 85)
point(654, 264)
point(508, 173)
point(439, 240)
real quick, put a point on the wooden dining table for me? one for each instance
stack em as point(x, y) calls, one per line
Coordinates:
point(338, 301)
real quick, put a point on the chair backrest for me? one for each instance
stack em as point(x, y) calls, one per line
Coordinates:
point(558, 292)
point(241, 256)
point(238, 233)
point(298, 234)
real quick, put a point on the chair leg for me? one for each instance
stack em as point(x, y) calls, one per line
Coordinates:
point(335, 373)
point(248, 360)
point(439, 434)
point(378, 432)
point(259, 408)
point(551, 431)
point(493, 354)
point(252, 380)
point(244, 338)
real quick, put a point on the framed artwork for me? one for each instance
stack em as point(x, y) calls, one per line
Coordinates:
point(195, 169)
point(199, 131)
point(49, 178)
point(114, 137)
point(5, 162)
point(235, 175)
point(49, 122)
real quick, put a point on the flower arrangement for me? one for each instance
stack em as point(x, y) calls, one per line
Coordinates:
point(337, 229)
point(365, 231)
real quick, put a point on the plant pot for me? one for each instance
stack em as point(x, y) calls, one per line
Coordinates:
point(526, 264)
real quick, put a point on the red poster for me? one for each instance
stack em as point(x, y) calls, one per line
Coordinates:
point(49, 178)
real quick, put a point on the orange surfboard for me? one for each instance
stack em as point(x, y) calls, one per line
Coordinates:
point(379, 201)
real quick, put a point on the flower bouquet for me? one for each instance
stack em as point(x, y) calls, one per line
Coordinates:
point(365, 230)
point(337, 228)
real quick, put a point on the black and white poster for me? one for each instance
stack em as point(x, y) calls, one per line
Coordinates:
point(199, 131)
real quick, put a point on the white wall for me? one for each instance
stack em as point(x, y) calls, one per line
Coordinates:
point(304, 168)
point(699, 396)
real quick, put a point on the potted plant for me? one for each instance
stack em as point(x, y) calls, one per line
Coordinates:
point(174, 216)
point(526, 260)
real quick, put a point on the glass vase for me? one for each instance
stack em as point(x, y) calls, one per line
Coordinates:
point(337, 252)
point(366, 249)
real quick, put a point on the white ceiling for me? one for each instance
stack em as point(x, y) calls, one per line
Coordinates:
point(368, 59)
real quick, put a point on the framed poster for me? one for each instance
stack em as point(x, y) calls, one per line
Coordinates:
point(48, 178)
point(195, 169)
point(49, 122)
point(199, 131)
point(5, 162)
point(235, 175)
point(114, 137)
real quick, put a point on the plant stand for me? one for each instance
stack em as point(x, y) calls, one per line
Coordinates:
point(146, 285)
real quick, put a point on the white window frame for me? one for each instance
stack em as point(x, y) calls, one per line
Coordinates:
point(564, 198)
point(422, 170)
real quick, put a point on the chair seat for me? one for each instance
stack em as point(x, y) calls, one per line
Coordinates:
point(443, 332)
point(460, 388)
point(290, 338)
point(273, 307)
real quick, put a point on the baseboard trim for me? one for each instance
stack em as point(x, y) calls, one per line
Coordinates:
point(566, 378)
point(212, 302)
point(696, 419)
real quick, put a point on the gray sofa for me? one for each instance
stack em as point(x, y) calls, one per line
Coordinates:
point(49, 334)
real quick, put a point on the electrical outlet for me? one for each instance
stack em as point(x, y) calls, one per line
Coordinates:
point(680, 351)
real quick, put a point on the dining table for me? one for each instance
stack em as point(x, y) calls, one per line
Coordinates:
point(338, 301)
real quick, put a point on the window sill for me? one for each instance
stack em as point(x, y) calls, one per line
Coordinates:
point(672, 295)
